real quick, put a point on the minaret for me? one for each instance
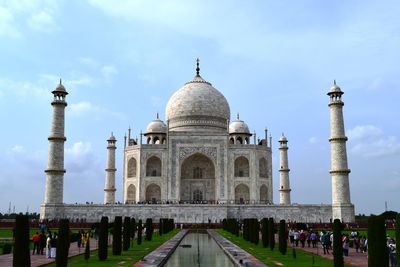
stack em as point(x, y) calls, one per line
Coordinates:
point(109, 189)
point(55, 165)
point(284, 189)
point(341, 206)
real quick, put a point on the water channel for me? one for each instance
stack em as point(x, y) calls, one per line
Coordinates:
point(198, 250)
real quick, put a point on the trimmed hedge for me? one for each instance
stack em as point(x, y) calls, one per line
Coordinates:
point(139, 233)
point(63, 242)
point(149, 229)
point(271, 233)
point(264, 232)
point(338, 260)
point(21, 255)
point(377, 250)
point(117, 236)
point(126, 234)
point(397, 234)
point(282, 237)
point(103, 239)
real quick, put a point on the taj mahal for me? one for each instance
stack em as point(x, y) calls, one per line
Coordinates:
point(198, 166)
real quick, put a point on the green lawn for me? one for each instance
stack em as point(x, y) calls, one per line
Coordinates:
point(363, 232)
point(275, 258)
point(127, 258)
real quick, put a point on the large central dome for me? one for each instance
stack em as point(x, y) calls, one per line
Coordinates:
point(198, 106)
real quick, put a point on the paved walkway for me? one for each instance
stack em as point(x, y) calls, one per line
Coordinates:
point(40, 260)
point(354, 258)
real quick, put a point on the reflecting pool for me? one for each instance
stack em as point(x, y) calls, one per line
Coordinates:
point(198, 249)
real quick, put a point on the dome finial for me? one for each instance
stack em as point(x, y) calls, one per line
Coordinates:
point(334, 82)
point(198, 67)
point(60, 81)
point(237, 116)
point(157, 116)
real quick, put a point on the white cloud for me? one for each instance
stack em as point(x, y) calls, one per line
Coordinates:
point(79, 149)
point(364, 132)
point(313, 140)
point(7, 28)
point(37, 15)
point(369, 141)
point(86, 108)
point(42, 21)
point(18, 149)
point(23, 90)
point(108, 72)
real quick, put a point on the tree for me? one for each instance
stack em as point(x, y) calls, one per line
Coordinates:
point(264, 232)
point(127, 233)
point(133, 229)
point(271, 233)
point(63, 243)
point(87, 250)
point(338, 260)
point(398, 236)
point(103, 239)
point(282, 237)
point(377, 250)
point(117, 236)
point(149, 229)
point(139, 233)
point(21, 255)
point(160, 227)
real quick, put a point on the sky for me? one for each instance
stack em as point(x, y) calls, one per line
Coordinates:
point(274, 61)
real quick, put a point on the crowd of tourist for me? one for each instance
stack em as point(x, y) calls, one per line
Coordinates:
point(311, 238)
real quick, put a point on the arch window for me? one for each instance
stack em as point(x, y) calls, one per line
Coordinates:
point(263, 193)
point(197, 195)
point(241, 167)
point(131, 193)
point(239, 140)
point(263, 168)
point(153, 166)
point(242, 194)
point(132, 167)
point(153, 193)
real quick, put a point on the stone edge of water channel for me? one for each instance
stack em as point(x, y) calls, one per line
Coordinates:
point(160, 255)
point(234, 252)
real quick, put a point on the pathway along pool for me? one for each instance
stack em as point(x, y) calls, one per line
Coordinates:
point(198, 250)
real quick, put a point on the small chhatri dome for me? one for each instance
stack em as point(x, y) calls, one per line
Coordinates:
point(283, 138)
point(60, 89)
point(112, 137)
point(335, 89)
point(197, 106)
point(156, 126)
point(238, 127)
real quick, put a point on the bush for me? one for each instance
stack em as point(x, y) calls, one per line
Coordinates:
point(21, 255)
point(338, 260)
point(282, 237)
point(377, 250)
point(87, 250)
point(271, 233)
point(62, 243)
point(73, 237)
point(103, 239)
point(139, 233)
point(7, 248)
point(117, 236)
point(398, 236)
point(133, 229)
point(127, 233)
point(149, 229)
point(264, 232)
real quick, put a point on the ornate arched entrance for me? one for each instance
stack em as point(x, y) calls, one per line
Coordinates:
point(197, 179)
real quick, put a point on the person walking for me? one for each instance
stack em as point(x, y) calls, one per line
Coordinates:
point(325, 241)
point(345, 244)
point(42, 242)
point(36, 243)
point(53, 244)
point(296, 236)
point(313, 238)
point(302, 238)
point(392, 254)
